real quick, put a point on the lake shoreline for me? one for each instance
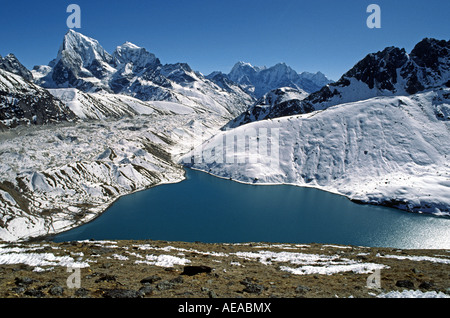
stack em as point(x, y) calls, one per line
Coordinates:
point(388, 203)
point(184, 168)
point(215, 210)
point(49, 237)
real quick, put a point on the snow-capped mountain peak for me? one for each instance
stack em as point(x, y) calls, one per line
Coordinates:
point(431, 60)
point(317, 78)
point(130, 45)
point(86, 49)
point(138, 56)
point(242, 67)
point(130, 70)
point(81, 62)
point(243, 73)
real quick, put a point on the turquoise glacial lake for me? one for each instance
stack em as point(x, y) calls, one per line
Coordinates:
point(208, 209)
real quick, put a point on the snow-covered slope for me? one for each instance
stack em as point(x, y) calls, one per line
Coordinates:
point(391, 151)
point(101, 105)
point(22, 102)
point(130, 70)
point(281, 95)
point(98, 105)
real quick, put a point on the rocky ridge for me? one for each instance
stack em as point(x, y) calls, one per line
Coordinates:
point(23, 102)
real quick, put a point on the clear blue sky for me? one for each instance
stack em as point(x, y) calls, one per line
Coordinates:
point(315, 35)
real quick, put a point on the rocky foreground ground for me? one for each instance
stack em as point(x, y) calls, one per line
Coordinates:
point(159, 269)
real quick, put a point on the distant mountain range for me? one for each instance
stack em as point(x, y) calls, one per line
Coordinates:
point(130, 70)
point(83, 65)
point(390, 72)
point(257, 81)
point(242, 95)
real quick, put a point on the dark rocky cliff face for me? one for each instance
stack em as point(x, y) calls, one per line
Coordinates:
point(430, 65)
point(379, 70)
point(11, 64)
point(22, 102)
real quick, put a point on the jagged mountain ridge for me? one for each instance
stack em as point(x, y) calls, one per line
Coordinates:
point(258, 81)
point(390, 72)
point(131, 70)
point(84, 65)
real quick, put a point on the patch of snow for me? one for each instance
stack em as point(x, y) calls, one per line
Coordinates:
point(330, 269)
point(267, 257)
point(418, 258)
point(120, 257)
point(163, 260)
point(7, 257)
point(413, 294)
